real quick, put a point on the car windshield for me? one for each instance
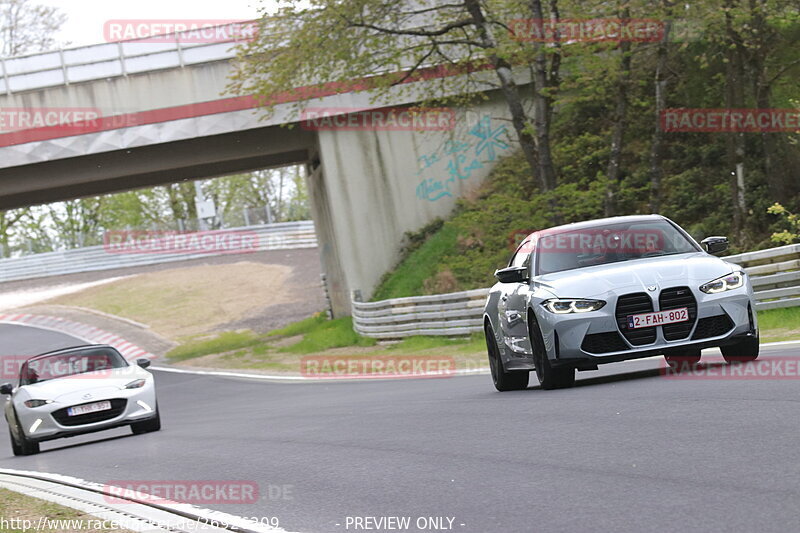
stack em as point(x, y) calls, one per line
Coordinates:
point(599, 245)
point(68, 364)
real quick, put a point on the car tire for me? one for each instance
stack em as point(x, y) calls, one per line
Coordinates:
point(25, 446)
point(684, 359)
point(14, 446)
point(742, 351)
point(503, 381)
point(550, 377)
point(148, 426)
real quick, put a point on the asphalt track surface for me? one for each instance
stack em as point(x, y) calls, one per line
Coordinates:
point(624, 450)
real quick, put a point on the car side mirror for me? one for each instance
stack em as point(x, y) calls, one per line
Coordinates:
point(715, 245)
point(6, 388)
point(144, 363)
point(512, 274)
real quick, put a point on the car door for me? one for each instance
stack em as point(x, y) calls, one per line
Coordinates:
point(512, 307)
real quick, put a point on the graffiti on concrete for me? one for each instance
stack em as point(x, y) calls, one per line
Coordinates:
point(457, 160)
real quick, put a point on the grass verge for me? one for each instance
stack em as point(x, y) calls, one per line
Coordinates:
point(777, 325)
point(283, 350)
point(23, 513)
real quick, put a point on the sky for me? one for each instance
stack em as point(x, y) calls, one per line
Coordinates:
point(86, 17)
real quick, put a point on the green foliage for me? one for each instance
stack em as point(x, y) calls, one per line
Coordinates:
point(301, 327)
point(791, 235)
point(224, 342)
point(335, 333)
point(421, 264)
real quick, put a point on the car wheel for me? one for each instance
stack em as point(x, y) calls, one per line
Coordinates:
point(14, 446)
point(503, 381)
point(744, 350)
point(683, 359)
point(25, 446)
point(550, 377)
point(148, 426)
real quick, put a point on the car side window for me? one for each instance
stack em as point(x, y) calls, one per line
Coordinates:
point(522, 257)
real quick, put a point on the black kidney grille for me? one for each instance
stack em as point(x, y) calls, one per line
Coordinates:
point(603, 343)
point(675, 298)
point(634, 304)
point(117, 408)
point(712, 326)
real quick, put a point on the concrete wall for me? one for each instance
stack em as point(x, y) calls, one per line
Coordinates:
point(378, 185)
point(129, 94)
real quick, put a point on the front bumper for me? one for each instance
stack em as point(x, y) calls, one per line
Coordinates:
point(588, 339)
point(41, 423)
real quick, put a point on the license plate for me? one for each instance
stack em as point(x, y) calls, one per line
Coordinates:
point(88, 408)
point(648, 320)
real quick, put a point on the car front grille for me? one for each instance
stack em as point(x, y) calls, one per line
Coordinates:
point(634, 304)
point(603, 343)
point(712, 326)
point(676, 298)
point(117, 408)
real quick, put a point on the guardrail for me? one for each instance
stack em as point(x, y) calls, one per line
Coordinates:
point(774, 273)
point(279, 236)
point(109, 60)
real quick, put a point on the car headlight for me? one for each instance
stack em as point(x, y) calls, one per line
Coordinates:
point(136, 384)
point(562, 306)
point(37, 403)
point(729, 282)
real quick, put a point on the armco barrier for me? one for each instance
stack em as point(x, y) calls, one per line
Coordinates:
point(284, 235)
point(774, 273)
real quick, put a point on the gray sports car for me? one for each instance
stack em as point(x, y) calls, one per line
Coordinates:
point(78, 390)
point(584, 294)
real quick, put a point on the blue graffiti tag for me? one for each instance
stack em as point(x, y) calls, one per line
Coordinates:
point(455, 153)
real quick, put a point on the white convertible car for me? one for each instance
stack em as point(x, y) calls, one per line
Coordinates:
point(78, 390)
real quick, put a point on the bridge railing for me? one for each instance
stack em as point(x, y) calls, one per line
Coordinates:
point(113, 59)
point(774, 273)
point(279, 236)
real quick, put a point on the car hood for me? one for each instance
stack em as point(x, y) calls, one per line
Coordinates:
point(73, 389)
point(636, 275)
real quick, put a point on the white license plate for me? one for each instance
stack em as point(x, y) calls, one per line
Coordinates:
point(88, 408)
point(659, 318)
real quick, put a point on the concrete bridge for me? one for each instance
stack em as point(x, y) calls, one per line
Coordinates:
point(119, 116)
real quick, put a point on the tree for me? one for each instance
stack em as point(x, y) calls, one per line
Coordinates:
point(26, 27)
point(335, 43)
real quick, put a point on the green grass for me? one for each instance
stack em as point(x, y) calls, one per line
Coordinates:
point(779, 324)
point(300, 327)
point(329, 334)
point(16, 505)
point(475, 342)
point(318, 334)
point(224, 342)
point(409, 276)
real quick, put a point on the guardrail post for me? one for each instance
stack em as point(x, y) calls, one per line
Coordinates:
point(63, 66)
point(121, 53)
point(5, 76)
point(180, 50)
